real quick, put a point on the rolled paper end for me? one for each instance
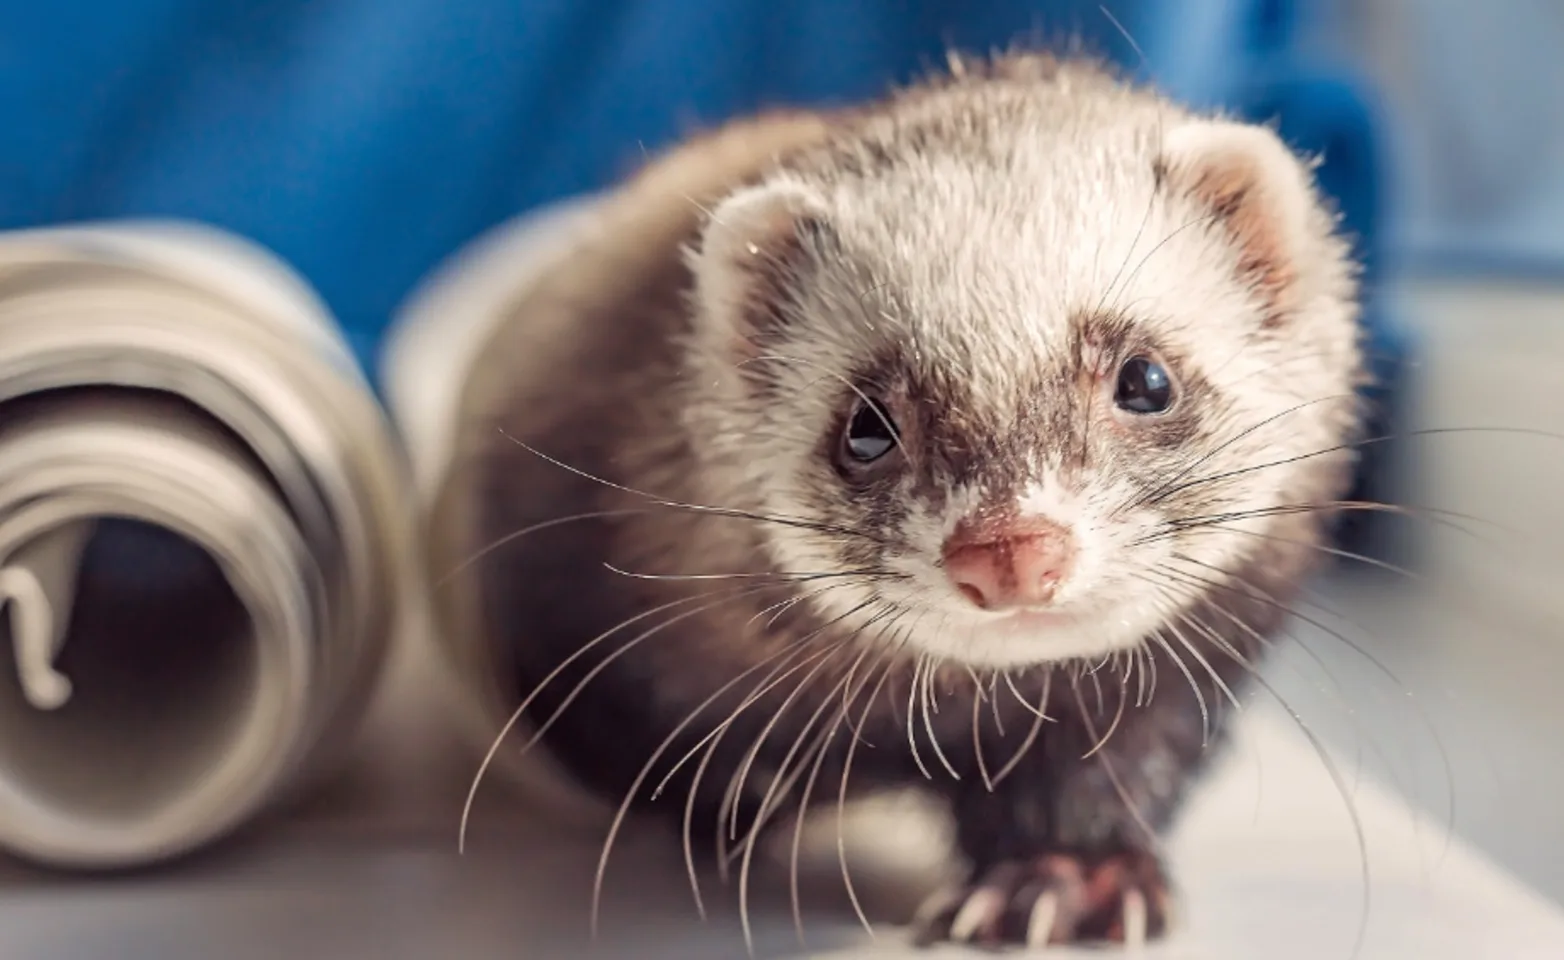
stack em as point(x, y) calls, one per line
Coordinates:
point(46, 689)
point(39, 620)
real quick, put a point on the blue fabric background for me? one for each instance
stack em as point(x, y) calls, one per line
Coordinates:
point(365, 140)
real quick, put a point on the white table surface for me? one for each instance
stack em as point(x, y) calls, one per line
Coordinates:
point(1267, 858)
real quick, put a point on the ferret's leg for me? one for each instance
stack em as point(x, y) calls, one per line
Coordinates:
point(1065, 850)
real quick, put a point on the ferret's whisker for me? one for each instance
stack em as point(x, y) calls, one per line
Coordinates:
point(752, 835)
point(1106, 762)
point(1310, 545)
point(742, 774)
point(788, 772)
point(1189, 677)
point(1152, 693)
point(1039, 715)
point(868, 576)
point(1249, 592)
point(1377, 664)
point(841, 806)
point(515, 718)
point(913, 688)
point(712, 739)
point(1199, 593)
point(1179, 595)
point(1118, 717)
point(929, 708)
point(800, 814)
point(693, 507)
point(897, 631)
point(733, 796)
point(763, 688)
point(1172, 484)
point(512, 537)
point(646, 769)
point(993, 702)
point(1176, 525)
point(1039, 711)
point(977, 738)
point(729, 810)
point(1145, 658)
point(1354, 445)
point(1245, 664)
point(1334, 772)
point(1216, 678)
point(885, 665)
point(687, 835)
point(1092, 675)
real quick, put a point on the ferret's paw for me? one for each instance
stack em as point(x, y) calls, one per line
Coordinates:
point(1053, 899)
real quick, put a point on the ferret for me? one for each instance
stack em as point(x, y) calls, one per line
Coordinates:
point(972, 440)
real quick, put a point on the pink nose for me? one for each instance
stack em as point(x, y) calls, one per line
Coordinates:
point(1016, 564)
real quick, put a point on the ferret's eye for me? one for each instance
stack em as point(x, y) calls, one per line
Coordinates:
point(870, 433)
point(1144, 386)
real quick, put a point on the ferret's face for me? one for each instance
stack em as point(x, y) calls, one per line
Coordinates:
point(1029, 411)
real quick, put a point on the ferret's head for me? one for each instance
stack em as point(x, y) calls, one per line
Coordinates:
point(1020, 367)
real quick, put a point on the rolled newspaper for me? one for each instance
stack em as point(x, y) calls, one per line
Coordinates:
point(204, 540)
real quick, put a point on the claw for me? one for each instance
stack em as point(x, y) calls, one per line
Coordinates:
point(1134, 909)
point(981, 910)
point(1053, 899)
point(970, 917)
point(1040, 925)
point(940, 902)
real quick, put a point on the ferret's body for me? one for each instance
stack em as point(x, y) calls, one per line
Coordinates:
point(978, 259)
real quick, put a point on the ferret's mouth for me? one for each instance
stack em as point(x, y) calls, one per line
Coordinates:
point(1037, 617)
point(1025, 619)
point(1032, 618)
point(1018, 619)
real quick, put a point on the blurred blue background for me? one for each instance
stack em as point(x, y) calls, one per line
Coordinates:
point(365, 140)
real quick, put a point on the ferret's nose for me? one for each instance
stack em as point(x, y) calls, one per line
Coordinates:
point(1018, 564)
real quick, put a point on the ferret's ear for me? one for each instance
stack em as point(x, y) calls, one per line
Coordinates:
point(753, 255)
point(1257, 190)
